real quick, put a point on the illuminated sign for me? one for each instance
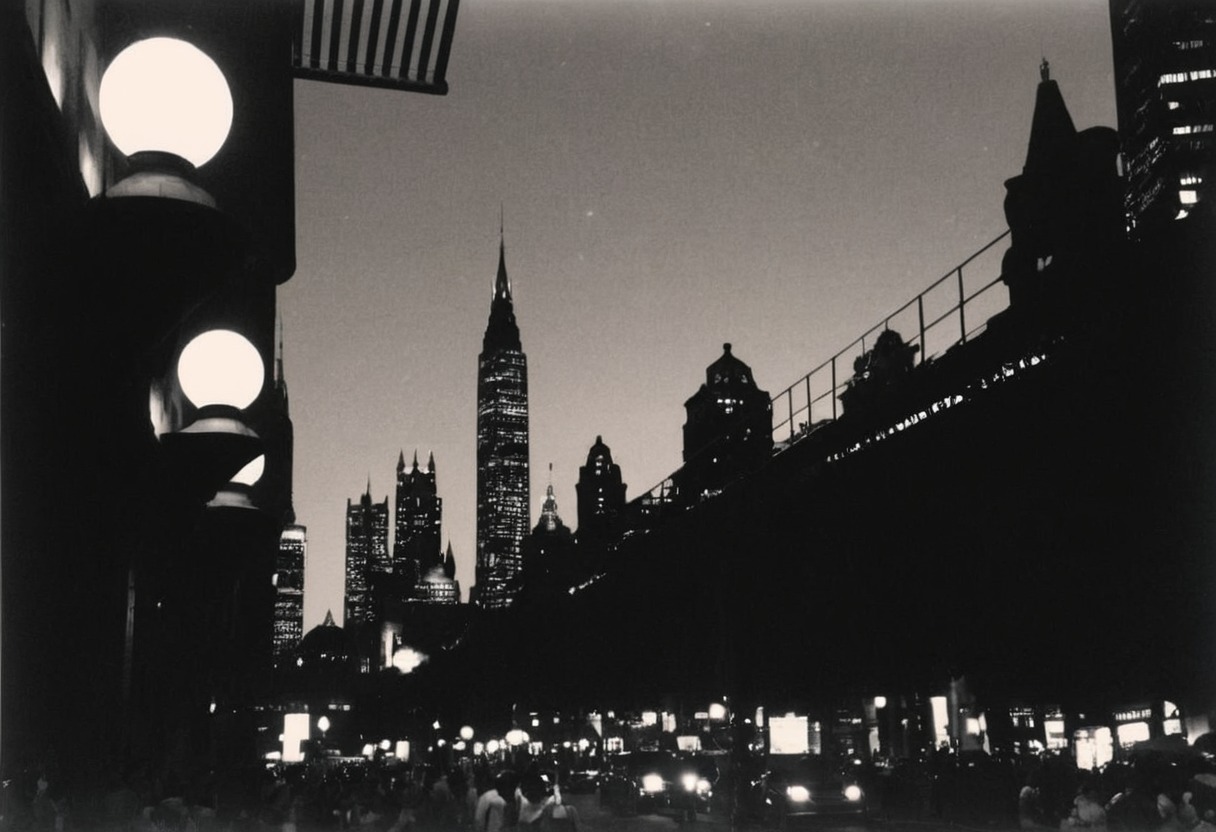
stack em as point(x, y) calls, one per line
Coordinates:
point(295, 732)
point(690, 743)
point(788, 735)
point(1130, 733)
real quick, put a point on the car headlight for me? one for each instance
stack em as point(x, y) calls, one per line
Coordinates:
point(689, 781)
point(704, 785)
point(853, 792)
point(652, 783)
point(798, 794)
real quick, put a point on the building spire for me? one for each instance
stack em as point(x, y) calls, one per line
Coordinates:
point(1051, 127)
point(430, 462)
point(502, 283)
point(501, 332)
point(401, 461)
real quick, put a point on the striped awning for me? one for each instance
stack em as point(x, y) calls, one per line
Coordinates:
point(401, 44)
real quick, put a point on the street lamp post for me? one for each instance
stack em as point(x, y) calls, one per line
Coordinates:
point(200, 348)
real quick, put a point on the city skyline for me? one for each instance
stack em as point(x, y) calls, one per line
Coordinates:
point(673, 176)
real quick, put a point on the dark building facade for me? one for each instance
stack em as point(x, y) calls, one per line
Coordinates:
point(1165, 89)
point(502, 450)
point(418, 517)
point(367, 559)
point(728, 430)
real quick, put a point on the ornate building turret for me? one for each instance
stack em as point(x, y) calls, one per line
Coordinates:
point(728, 431)
point(551, 564)
point(1064, 210)
point(502, 450)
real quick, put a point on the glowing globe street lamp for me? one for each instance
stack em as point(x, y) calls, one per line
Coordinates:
point(220, 373)
point(221, 368)
point(178, 82)
point(165, 104)
point(167, 108)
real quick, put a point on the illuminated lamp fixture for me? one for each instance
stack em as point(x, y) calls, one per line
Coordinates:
point(466, 732)
point(238, 491)
point(221, 373)
point(165, 104)
point(221, 368)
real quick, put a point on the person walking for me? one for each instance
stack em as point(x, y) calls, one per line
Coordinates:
point(498, 808)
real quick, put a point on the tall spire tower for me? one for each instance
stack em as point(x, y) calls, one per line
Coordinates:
point(502, 449)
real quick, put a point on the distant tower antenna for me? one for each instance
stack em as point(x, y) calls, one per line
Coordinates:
point(1045, 70)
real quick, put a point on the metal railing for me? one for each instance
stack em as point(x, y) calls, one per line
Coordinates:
point(934, 321)
point(937, 320)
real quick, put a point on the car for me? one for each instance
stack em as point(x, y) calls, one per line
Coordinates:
point(658, 781)
point(582, 780)
point(802, 785)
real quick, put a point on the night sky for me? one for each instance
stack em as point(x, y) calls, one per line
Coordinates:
point(779, 174)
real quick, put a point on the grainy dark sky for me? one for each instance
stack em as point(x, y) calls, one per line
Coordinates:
point(675, 174)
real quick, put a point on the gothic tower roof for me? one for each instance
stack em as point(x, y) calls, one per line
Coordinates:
point(727, 371)
point(1051, 129)
point(599, 451)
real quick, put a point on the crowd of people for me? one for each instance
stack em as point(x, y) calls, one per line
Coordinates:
point(1149, 792)
point(371, 796)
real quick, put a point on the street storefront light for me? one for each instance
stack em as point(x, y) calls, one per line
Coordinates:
point(221, 367)
point(853, 792)
point(466, 732)
point(407, 659)
point(689, 781)
point(652, 783)
point(492, 747)
point(798, 794)
point(164, 94)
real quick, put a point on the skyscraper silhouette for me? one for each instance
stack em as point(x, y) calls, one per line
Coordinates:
point(366, 554)
point(728, 430)
point(416, 545)
point(601, 498)
point(502, 450)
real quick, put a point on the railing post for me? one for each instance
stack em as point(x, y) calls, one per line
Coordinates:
point(809, 419)
point(920, 312)
point(962, 319)
point(833, 387)
point(789, 397)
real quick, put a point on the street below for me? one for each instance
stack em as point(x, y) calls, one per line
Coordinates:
point(596, 818)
